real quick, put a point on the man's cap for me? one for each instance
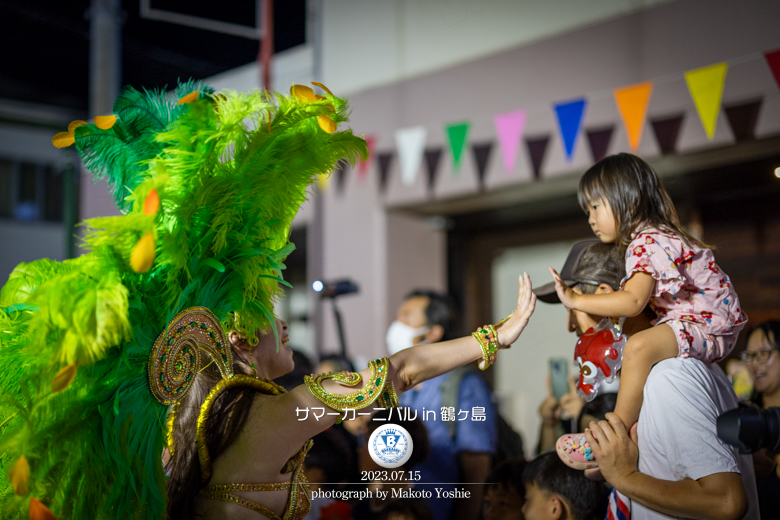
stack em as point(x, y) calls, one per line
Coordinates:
point(591, 262)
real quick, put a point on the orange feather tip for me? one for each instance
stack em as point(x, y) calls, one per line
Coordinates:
point(19, 475)
point(63, 139)
point(327, 124)
point(189, 98)
point(75, 124)
point(39, 511)
point(303, 93)
point(152, 203)
point(323, 87)
point(142, 256)
point(63, 378)
point(105, 122)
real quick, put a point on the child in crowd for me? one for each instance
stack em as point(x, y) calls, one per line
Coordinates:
point(556, 492)
point(698, 311)
point(504, 491)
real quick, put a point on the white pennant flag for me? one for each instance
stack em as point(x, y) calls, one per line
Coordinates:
point(411, 146)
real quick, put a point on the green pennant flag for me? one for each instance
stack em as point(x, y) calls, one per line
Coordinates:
point(457, 133)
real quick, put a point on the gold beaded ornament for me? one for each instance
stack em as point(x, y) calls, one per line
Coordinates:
point(378, 388)
point(487, 337)
point(175, 358)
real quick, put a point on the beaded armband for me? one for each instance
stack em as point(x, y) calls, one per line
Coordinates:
point(487, 338)
point(378, 388)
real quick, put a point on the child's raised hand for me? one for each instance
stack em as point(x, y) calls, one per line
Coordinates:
point(565, 293)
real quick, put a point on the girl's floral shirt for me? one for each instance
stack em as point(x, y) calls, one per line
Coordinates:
point(689, 284)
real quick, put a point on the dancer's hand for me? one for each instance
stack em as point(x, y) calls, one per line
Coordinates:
point(526, 302)
point(565, 293)
point(614, 448)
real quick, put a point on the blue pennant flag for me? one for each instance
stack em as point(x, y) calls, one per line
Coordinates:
point(570, 121)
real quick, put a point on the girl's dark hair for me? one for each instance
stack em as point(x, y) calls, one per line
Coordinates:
point(635, 194)
point(771, 331)
point(226, 420)
point(508, 474)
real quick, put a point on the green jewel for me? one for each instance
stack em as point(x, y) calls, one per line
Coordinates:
point(163, 358)
point(180, 329)
point(179, 367)
point(379, 381)
point(203, 326)
point(170, 340)
point(370, 392)
point(167, 389)
point(161, 377)
point(359, 398)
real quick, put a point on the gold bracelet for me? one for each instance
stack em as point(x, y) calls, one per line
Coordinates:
point(376, 388)
point(497, 325)
point(487, 337)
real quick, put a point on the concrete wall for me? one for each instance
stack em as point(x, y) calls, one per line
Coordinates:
point(368, 43)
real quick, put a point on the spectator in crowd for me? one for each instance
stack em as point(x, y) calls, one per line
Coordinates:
point(592, 267)
point(373, 508)
point(334, 363)
point(763, 361)
point(684, 470)
point(406, 509)
point(461, 450)
point(327, 468)
point(554, 491)
point(504, 493)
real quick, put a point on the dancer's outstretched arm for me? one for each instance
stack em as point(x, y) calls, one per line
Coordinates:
point(407, 368)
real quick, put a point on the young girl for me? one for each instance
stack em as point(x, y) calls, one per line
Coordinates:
point(698, 310)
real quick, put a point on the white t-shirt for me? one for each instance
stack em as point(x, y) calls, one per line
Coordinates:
point(677, 429)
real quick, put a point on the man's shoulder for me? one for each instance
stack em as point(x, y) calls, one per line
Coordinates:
point(684, 378)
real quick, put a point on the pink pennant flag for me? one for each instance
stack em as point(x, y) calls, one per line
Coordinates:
point(509, 127)
point(363, 167)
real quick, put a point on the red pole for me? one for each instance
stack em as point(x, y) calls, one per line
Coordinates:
point(266, 53)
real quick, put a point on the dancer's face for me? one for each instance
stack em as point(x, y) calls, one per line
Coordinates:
point(272, 359)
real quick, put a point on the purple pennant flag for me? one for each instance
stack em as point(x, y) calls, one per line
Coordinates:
point(481, 157)
point(537, 146)
point(599, 139)
point(432, 156)
point(384, 159)
point(509, 128)
point(570, 121)
point(742, 118)
point(666, 131)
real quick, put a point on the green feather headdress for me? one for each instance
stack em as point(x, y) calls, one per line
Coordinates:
point(208, 185)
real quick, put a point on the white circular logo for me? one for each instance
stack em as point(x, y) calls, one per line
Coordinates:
point(390, 445)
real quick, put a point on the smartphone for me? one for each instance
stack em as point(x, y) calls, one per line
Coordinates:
point(559, 377)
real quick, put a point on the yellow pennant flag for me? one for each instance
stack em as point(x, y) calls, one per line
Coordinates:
point(706, 88)
point(632, 103)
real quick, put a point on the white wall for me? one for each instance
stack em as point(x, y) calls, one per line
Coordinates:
point(520, 371)
point(367, 43)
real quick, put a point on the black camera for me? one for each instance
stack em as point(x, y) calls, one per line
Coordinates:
point(751, 428)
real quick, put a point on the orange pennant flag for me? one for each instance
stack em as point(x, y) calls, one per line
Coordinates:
point(632, 103)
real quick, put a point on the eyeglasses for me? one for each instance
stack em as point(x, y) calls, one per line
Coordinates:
point(759, 356)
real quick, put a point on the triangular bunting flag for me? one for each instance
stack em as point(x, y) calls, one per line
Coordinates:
point(363, 168)
point(666, 131)
point(432, 156)
point(537, 146)
point(773, 59)
point(569, 121)
point(706, 88)
point(341, 170)
point(743, 118)
point(411, 144)
point(509, 128)
point(481, 157)
point(632, 104)
point(384, 159)
point(457, 134)
point(599, 139)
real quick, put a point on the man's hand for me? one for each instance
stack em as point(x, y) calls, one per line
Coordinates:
point(571, 403)
point(565, 293)
point(616, 452)
point(548, 410)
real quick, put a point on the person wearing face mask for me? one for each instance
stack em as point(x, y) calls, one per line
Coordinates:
point(460, 454)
